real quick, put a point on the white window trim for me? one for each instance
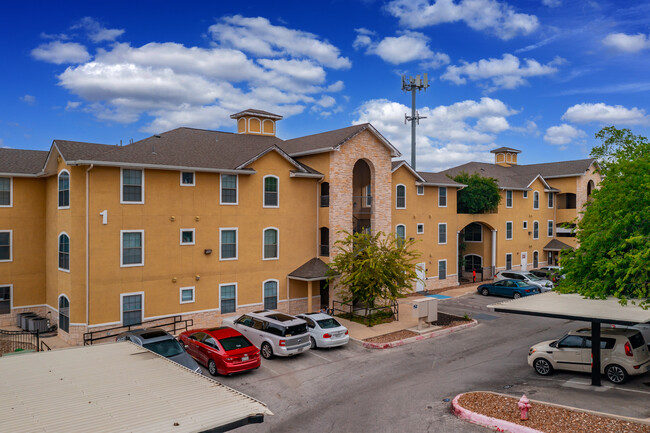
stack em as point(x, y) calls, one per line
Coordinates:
point(474, 242)
point(193, 178)
point(58, 238)
point(538, 262)
point(236, 229)
point(512, 198)
point(417, 228)
point(506, 262)
point(440, 188)
point(11, 295)
point(264, 192)
point(11, 246)
point(58, 301)
point(193, 236)
point(11, 193)
point(438, 270)
point(417, 189)
point(122, 265)
point(180, 295)
point(57, 189)
point(263, 232)
point(446, 234)
point(122, 295)
point(524, 194)
point(397, 196)
point(367, 197)
point(535, 222)
point(550, 199)
point(236, 295)
point(277, 282)
point(512, 230)
point(122, 186)
point(535, 193)
point(236, 190)
point(400, 225)
point(552, 225)
point(525, 225)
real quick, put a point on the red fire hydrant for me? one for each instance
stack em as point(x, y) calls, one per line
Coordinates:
point(524, 407)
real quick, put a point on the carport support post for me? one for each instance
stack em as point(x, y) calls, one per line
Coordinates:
point(309, 296)
point(595, 353)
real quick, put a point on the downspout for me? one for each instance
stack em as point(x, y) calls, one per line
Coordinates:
point(87, 244)
point(318, 199)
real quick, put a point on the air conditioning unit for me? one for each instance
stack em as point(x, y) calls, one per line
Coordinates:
point(24, 320)
point(37, 324)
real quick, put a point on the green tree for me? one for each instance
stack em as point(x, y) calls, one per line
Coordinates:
point(480, 196)
point(614, 231)
point(369, 267)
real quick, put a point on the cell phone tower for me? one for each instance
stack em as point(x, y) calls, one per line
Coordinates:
point(411, 84)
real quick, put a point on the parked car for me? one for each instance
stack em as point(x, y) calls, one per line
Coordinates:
point(623, 352)
point(274, 333)
point(162, 343)
point(527, 277)
point(643, 328)
point(324, 330)
point(510, 288)
point(222, 350)
point(546, 274)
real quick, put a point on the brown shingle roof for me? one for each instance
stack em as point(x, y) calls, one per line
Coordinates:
point(260, 113)
point(79, 150)
point(314, 269)
point(555, 245)
point(18, 161)
point(505, 149)
point(324, 140)
point(439, 179)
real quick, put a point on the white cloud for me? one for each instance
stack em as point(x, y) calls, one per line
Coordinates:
point(506, 73)
point(552, 3)
point(606, 114)
point(61, 52)
point(563, 134)
point(326, 101)
point(28, 99)
point(407, 47)
point(72, 105)
point(627, 43)
point(57, 36)
point(489, 15)
point(259, 37)
point(96, 32)
point(449, 136)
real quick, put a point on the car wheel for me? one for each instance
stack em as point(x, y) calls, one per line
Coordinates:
point(313, 343)
point(616, 374)
point(516, 295)
point(543, 367)
point(212, 368)
point(267, 351)
point(485, 292)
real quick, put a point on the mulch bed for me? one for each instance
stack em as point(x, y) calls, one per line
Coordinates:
point(444, 321)
point(548, 419)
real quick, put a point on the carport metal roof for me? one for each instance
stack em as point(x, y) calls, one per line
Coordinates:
point(115, 387)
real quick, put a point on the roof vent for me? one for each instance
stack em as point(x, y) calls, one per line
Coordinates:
point(505, 156)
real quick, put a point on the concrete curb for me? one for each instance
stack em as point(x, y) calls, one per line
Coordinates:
point(432, 334)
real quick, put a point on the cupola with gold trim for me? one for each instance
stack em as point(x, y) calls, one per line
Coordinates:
point(256, 122)
point(505, 156)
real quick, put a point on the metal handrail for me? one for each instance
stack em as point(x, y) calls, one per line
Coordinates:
point(24, 340)
point(178, 324)
point(338, 306)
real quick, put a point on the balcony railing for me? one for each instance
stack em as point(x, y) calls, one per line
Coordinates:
point(362, 205)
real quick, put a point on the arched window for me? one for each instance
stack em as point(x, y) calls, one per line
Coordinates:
point(64, 252)
point(535, 259)
point(270, 243)
point(535, 230)
point(324, 194)
point(400, 233)
point(64, 313)
point(400, 194)
point(535, 200)
point(271, 191)
point(270, 295)
point(64, 189)
point(590, 187)
point(472, 261)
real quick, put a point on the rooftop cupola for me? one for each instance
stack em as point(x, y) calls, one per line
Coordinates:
point(505, 156)
point(256, 122)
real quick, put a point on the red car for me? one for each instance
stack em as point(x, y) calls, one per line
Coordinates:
point(223, 350)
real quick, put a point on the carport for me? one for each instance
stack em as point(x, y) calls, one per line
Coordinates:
point(575, 307)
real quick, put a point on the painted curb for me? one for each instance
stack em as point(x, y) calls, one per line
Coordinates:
point(432, 334)
point(487, 421)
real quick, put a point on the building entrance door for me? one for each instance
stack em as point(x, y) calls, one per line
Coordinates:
point(524, 261)
point(324, 294)
point(420, 270)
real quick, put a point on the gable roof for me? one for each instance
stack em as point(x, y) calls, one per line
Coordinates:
point(314, 269)
point(397, 164)
point(18, 162)
point(439, 179)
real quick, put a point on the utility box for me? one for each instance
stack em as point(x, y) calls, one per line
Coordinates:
point(426, 311)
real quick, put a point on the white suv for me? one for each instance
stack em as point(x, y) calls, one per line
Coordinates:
point(274, 333)
point(527, 277)
point(623, 353)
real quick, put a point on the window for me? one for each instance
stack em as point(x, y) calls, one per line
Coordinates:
point(442, 269)
point(508, 261)
point(132, 186)
point(324, 241)
point(5, 299)
point(324, 194)
point(132, 310)
point(535, 200)
point(228, 298)
point(228, 242)
point(442, 196)
point(187, 178)
point(64, 313)
point(509, 198)
point(64, 252)
point(550, 228)
point(228, 189)
point(525, 194)
point(367, 196)
point(420, 228)
point(6, 184)
point(132, 248)
point(187, 236)
point(420, 189)
point(400, 232)
point(187, 295)
point(535, 259)
point(442, 233)
point(508, 230)
point(270, 295)
point(525, 225)
point(472, 261)
point(549, 258)
point(64, 189)
point(550, 200)
point(270, 243)
point(400, 202)
point(5, 245)
point(572, 341)
point(535, 230)
point(271, 191)
point(474, 233)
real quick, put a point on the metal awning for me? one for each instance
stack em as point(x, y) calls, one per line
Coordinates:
point(116, 387)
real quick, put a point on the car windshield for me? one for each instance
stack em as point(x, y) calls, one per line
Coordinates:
point(165, 348)
point(532, 277)
point(233, 343)
point(328, 323)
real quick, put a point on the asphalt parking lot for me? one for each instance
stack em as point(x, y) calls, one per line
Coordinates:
point(402, 389)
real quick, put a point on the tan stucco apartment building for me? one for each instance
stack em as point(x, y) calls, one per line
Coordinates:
point(204, 223)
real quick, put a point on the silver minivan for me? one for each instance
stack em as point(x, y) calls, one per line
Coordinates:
point(273, 332)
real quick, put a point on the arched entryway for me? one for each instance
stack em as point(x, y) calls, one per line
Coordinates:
point(362, 197)
point(476, 252)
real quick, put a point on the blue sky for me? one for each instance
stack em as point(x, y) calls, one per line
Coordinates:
point(539, 75)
